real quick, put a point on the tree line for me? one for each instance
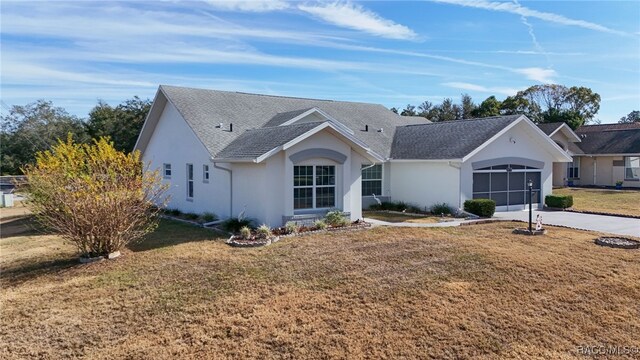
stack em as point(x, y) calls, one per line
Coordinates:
point(548, 103)
point(37, 126)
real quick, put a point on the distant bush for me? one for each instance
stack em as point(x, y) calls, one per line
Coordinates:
point(234, 224)
point(480, 207)
point(336, 218)
point(291, 227)
point(320, 224)
point(245, 232)
point(559, 201)
point(191, 216)
point(174, 212)
point(396, 206)
point(208, 217)
point(441, 209)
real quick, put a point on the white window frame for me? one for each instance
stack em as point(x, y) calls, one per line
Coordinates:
point(190, 183)
point(381, 179)
point(627, 166)
point(572, 167)
point(315, 186)
point(205, 173)
point(165, 167)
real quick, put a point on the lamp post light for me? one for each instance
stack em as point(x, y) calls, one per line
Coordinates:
point(530, 185)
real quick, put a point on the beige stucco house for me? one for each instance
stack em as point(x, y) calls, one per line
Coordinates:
point(603, 155)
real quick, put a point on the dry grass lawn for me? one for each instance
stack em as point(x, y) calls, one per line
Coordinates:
point(397, 218)
point(625, 202)
point(467, 292)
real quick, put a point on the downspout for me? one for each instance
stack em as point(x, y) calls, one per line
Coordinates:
point(215, 166)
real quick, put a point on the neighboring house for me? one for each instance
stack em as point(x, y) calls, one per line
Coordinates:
point(609, 153)
point(281, 158)
point(562, 135)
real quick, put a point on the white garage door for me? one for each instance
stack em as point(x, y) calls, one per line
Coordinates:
point(507, 185)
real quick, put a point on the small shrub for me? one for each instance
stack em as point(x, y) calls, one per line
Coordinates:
point(264, 231)
point(336, 218)
point(208, 217)
point(245, 232)
point(234, 224)
point(480, 207)
point(320, 224)
point(396, 206)
point(441, 209)
point(559, 201)
point(291, 227)
point(174, 212)
point(191, 216)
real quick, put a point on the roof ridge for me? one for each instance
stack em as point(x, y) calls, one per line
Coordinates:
point(461, 120)
point(276, 96)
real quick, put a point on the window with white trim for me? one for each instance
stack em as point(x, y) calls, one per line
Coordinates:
point(573, 168)
point(372, 180)
point(189, 181)
point(632, 167)
point(205, 173)
point(314, 187)
point(166, 171)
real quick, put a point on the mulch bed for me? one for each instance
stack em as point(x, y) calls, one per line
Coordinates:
point(618, 242)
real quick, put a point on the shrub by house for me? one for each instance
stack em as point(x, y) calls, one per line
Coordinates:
point(480, 207)
point(559, 201)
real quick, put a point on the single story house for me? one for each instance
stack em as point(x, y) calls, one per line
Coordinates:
point(602, 154)
point(281, 158)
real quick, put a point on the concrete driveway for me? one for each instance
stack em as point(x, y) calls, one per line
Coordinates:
point(608, 224)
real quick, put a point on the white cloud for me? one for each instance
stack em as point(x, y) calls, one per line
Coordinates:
point(538, 74)
point(249, 5)
point(518, 9)
point(353, 16)
point(480, 88)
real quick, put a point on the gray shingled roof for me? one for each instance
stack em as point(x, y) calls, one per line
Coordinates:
point(447, 139)
point(204, 109)
point(253, 143)
point(609, 139)
point(549, 128)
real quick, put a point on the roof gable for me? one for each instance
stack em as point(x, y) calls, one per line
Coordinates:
point(610, 139)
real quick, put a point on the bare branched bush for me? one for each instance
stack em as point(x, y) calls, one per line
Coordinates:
point(95, 196)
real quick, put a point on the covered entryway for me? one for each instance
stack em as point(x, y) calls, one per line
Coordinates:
point(506, 184)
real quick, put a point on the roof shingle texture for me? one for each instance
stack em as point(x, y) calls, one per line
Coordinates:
point(549, 128)
point(447, 139)
point(253, 143)
point(610, 139)
point(204, 109)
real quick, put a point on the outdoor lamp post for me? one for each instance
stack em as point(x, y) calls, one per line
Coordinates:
point(530, 185)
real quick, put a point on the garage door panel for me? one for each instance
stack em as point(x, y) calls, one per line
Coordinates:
point(516, 197)
point(516, 181)
point(535, 178)
point(499, 181)
point(481, 196)
point(499, 198)
point(481, 182)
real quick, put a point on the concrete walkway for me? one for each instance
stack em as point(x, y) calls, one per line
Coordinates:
point(375, 222)
point(609, 224)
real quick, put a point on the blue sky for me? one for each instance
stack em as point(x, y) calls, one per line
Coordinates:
point(392, 53)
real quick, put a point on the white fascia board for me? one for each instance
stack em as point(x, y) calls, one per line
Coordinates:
point(567, 131)
point(145, 125)
point(628, 154)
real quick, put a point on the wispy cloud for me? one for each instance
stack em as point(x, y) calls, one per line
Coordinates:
point(249, 5)
point(532, 34)
point(356, 17)
point(480, 88)
point(545, 76)
point(518, 9)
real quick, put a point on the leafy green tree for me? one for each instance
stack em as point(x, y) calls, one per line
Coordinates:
point(394, 109)
point(409, 110)
point(122, 123)
point(425, 108)
point(34, 127)
point(467, 106)
point(551, 102)
point(632, 117)
point(489, 107)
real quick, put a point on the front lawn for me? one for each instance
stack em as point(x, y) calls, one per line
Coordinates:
point(463, 292)
point(625, 202)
